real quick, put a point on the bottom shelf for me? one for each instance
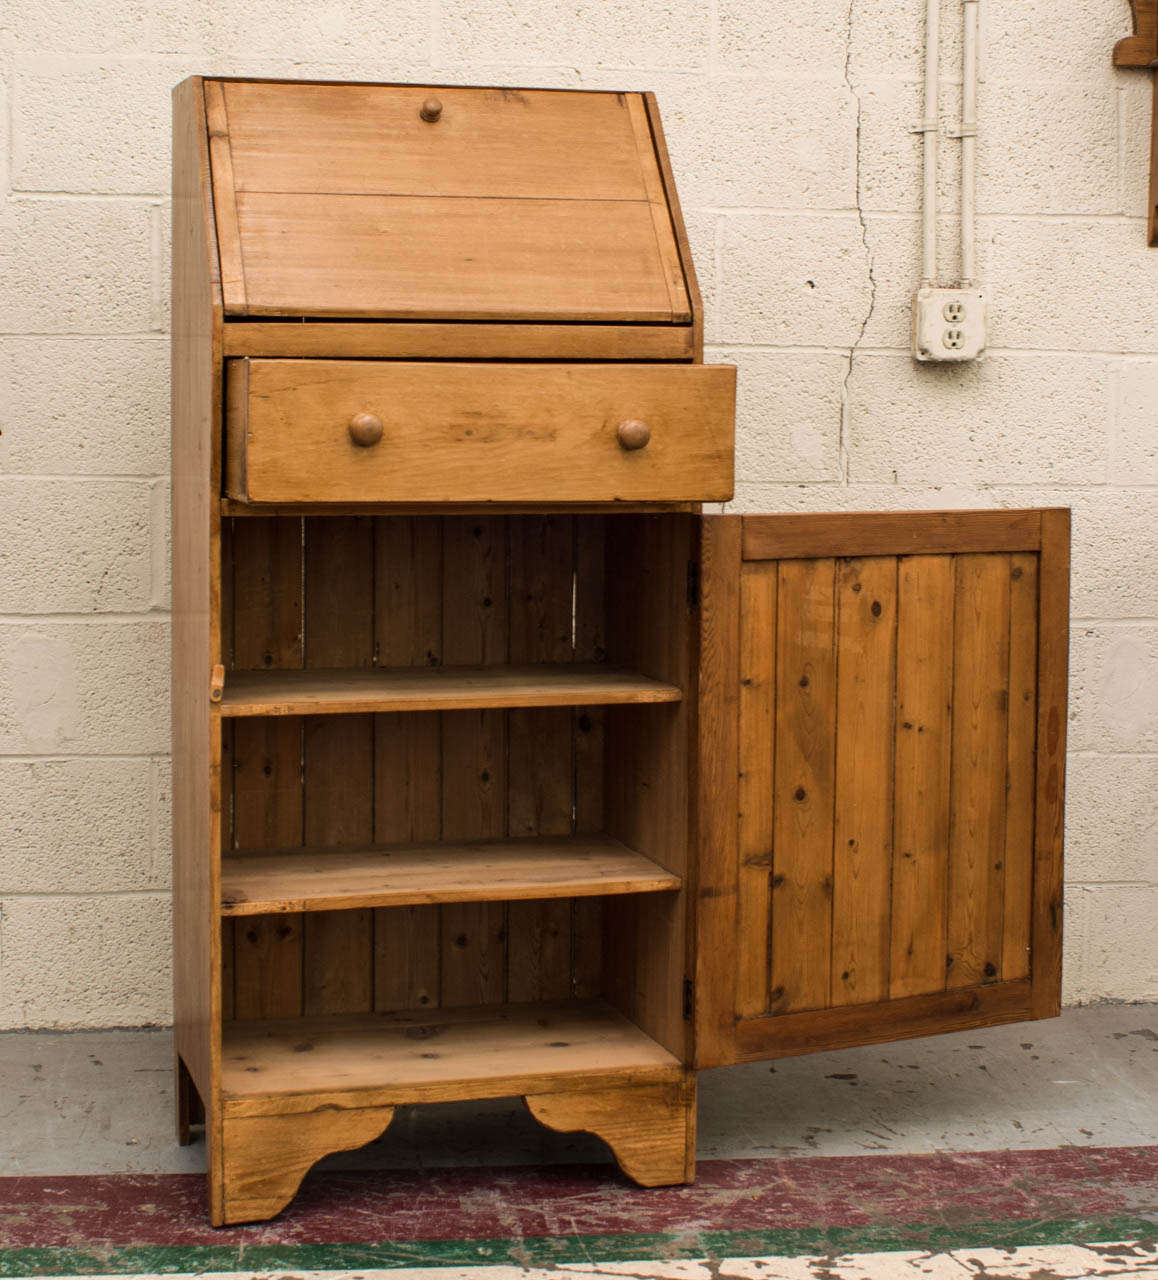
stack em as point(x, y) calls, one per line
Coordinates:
point(437, 1055)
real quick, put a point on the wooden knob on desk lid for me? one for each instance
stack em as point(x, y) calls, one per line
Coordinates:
point(430, 110)
point(365, 429)
point(633, 434)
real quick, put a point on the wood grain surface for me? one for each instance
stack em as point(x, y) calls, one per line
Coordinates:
point(478, 432)
point(343, 691)
point(533, 868)
point(901, 757)
point(515, 204)
point(493, 1051)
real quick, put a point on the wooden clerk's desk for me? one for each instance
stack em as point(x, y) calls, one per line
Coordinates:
point(498, 769)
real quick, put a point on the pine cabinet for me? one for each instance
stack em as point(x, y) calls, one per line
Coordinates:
point(499, 769)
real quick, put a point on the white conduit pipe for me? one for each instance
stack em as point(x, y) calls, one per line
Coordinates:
point(929, 126)
point(969, 144)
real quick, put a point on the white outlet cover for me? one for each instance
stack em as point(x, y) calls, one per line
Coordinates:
point(948, 324)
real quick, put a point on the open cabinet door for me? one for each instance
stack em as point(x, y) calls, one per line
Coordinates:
point(881, 768)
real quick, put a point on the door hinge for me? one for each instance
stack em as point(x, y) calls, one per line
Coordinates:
point(689, 999)
point(693, 584)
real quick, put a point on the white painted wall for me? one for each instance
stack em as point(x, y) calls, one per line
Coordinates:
point(789, 125)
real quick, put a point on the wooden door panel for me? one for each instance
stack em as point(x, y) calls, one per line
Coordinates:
point(882, 721)
point(865, 629)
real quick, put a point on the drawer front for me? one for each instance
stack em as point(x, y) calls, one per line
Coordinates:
point(346, 431)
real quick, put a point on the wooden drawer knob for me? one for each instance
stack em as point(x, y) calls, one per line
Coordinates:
point(365, 429)
point(633, 434)
point(430, 110)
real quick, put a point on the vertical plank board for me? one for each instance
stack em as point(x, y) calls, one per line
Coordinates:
point(863, 830)
point(268, 814)
point(474, 750)
point(267, 755)
point(1053, 624)
point(649, 619)
point(977, 787)
point(923, 744)
point(716, 757)
point(407, 750)
point(339, 754)
point(267, 782)
point(589, 734)
point(1019, 766)
point(267, 593)
point(758, 583)
point(540, 769)
point(803, 805)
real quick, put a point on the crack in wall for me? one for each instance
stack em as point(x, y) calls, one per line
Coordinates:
point(869, 257)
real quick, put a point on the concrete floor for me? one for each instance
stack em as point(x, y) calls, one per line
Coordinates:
point(101, 1102)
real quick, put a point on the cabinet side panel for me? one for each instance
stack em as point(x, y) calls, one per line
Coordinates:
point(1053, 620)
point(196, 465)
point(718, 942)
point(677, 221)
point(1020, 753)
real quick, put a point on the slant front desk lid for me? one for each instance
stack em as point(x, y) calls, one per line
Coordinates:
point(414, 202)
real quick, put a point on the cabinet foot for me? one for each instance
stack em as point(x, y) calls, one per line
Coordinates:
point(266, 1157)
point(651, 1129)
point(190, 1109)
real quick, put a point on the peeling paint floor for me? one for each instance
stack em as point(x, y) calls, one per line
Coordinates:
point(1050, 1262)
point(910, 1213)
point(1027, 1151)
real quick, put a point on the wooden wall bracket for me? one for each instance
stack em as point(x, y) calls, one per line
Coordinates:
point(1141, 50)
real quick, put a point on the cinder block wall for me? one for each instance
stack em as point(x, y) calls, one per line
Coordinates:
point(790, 127)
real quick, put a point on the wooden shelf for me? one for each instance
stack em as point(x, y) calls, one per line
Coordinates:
point(435, 1055)
point(326, 692)
point(403, 875)
point(259, 510)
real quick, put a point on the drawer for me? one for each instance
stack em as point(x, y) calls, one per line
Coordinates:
point(347, 431)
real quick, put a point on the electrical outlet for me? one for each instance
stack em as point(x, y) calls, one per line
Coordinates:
point(948, 324)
